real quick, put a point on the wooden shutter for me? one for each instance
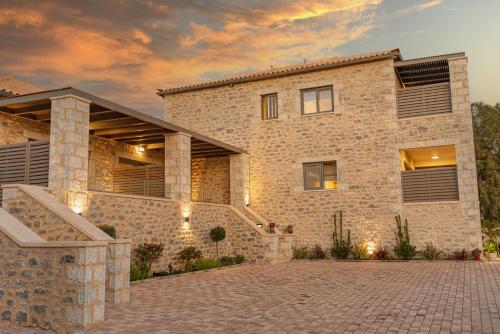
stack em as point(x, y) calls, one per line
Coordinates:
point(140, 180)
point(424, 100)
point(430, 184)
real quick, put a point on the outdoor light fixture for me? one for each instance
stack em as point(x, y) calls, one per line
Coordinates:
point(370, 247)
point(259, 225)
point(140, 149)
point(186, 219)
point(435, 157)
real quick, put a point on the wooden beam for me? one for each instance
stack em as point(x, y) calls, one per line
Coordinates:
point(108, 124)
point(143, 134)
point(143, 141)
point(105, 116)
point(155, 146)
point(126, 129)
point(30, 109)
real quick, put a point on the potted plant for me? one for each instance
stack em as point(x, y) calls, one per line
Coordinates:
point(490, 248)
point(271, 228)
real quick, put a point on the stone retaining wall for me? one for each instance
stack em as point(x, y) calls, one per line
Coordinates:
point(59, 286)
point(145, 219)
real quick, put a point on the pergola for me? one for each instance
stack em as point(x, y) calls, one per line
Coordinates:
point(113, 121)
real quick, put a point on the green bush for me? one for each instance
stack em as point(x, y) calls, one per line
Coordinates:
point(404, 249)
point(217, 234)
point(205, 263)
point(239, 259)
point(381, 253)
point(360, 251)
point(341, 247)
point(460, 254)
point(300, 252)
point(431, 252)
point(139, 271)
point(490, 246)
point(317, 253)
point(149, 253)
point(109, 230)
point(226, 261)
point(188, 255)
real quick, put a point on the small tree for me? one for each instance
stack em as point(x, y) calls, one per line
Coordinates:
point(188, 255)
point(149, 253)
point(217, 234)
point(404, 248)
point(341, 247)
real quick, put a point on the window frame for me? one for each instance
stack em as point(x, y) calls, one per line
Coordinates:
point(263, 111)
point(321, 175)
point(317, 90)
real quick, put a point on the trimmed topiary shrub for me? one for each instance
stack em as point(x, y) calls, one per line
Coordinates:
point(109, 230)
point(217, 234)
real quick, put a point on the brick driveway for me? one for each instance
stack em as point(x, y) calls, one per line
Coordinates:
point(317, 297)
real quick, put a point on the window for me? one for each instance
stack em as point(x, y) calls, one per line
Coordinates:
point(270, 106)
point(320, 175)
point(317, 100)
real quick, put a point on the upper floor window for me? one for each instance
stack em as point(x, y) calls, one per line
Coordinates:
point(317, 100)
point(269, 106)
point(320, 175)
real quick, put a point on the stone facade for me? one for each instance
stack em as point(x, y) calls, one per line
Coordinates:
point(16, 130)
point(146, 219)
point(69, 149)
point(118, 272)
point(363, 135)
point(178, 166)
point(210, 180)
point(56, 287)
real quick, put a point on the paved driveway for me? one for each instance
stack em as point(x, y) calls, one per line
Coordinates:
point(317, 297)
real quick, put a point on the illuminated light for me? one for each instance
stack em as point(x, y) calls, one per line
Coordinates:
point(186, 226)
point(370, 246)
point(247, 200)
point(186, 210)
point(140, 149)
point(435, 157)
point(259, 225)
point(77, 209)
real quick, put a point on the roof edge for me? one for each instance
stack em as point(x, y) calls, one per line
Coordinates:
point(320, 65)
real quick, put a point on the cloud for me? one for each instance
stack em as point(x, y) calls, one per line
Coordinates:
point(138, 46)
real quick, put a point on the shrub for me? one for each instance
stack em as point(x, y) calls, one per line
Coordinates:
point(360, 251)
point(239, 259)
point(109, 230)
point(188, 255)
point(217, 234)
point(205, 263)
point(431, 252)
point(226, 261)
point(476, 253)
point(149, 253)
point(341, 247)
point(460, 254)
point(490, 246)
point(300, 252)
point(381, 253)
point(317, 253)
point(491, 229)
point(404, 249)
point(139, 271)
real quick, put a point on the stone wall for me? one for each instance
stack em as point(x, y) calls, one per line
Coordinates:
point(144, 219)
point(56, 287)
point(38, 218)
point(210, 180)
point(16, 130)
point(363, 135)
point(118, 271)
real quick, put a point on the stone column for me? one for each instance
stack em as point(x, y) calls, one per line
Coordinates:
point(239, 180)
point(178, 166)
point(69, 149)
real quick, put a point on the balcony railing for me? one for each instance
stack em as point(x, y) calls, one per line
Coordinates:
point(430, 184)
point(424, 100)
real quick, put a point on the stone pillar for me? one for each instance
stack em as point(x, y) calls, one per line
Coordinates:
point(239, 180)
point(69, 149)
point(178, 166)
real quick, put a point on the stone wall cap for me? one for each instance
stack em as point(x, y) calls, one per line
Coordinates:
point(64, 244)
point(120, 241)
point(71, 96)
point(17, 231)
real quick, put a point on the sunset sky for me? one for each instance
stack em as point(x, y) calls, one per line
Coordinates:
point(124, 50)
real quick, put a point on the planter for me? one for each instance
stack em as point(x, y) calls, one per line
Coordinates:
point(492, 256)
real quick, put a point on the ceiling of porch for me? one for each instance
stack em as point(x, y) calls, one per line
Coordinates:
point(115, 122)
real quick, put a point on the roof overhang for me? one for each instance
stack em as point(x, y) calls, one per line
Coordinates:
point(113, 121)
point(425, 71)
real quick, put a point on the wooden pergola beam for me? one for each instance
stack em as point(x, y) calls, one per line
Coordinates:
point(126, 129)
point(115, 123)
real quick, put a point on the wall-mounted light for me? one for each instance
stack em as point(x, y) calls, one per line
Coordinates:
point(140, 149)
point(435, 157)
point(370, 247)
point(186, 219)
point(259, 225)
point(77, 209)
point(247, 199)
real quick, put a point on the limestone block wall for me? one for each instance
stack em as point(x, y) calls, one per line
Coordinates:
point(363, 135)
point(118, 271)
point(16, 130)
point(58, 286)
point(144, 219)
point(210, 180)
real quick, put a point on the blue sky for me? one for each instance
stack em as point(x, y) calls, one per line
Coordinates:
point(124, 50)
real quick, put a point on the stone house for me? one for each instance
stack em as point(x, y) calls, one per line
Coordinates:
point(372, 135)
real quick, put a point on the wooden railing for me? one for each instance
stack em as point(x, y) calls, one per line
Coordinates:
point(140, 180)
point(26, 163)
point(430, 184)
point(424, 100)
